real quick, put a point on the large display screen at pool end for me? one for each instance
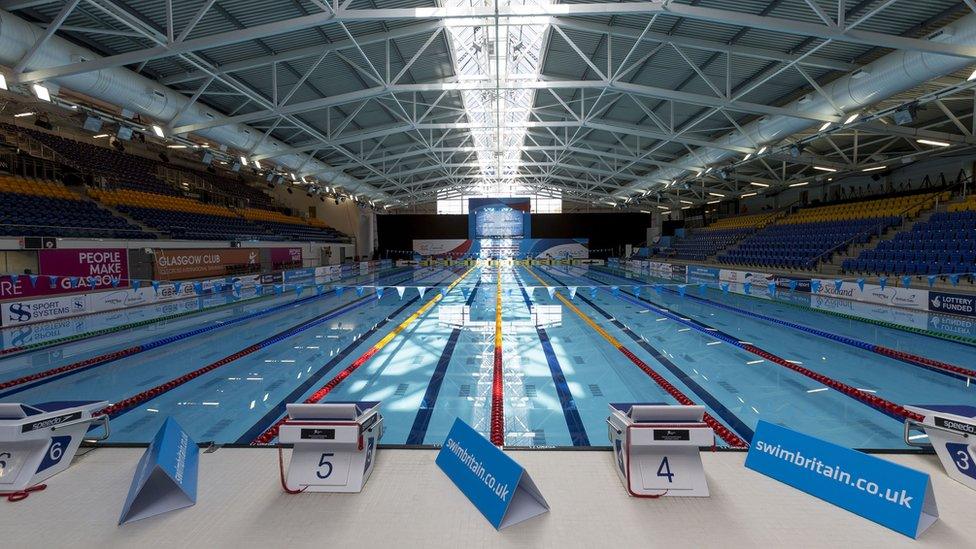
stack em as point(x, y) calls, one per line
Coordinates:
point(499, 218)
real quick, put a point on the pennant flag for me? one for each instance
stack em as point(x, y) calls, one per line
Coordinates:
point(615, 290)
point(465, 292)
point(177, 286)
point(299, 288)
point(551, 290)
point(906, 281)
point(702, 288)
point(259, 289)
point(883, 281)
point(279, 289)
point(155, 286)
point(793, 285)
point(747, 287)
point(572, 292)
point(593, 291)
point(932, 280)
point(954, 279)
point(379, 292)
point(319, 289)
point(421, 290)
point(218, 287)
point(681, 289)
point(339, 290)
point(400, 290)
point(92, 281)
point(14, 278)
point(772, 289)
point(360, 291)
point(444, 292)
point(838, 284)
point(73, 280)
point(116, 281)
point(725, 287)
point(53, 280)
point(815, 286)
point(135, 285)
point(33, 280)
point(198, 287)
point(860, 284)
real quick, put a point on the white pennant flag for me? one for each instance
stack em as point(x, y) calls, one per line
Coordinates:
point(400, 290)
point(552, 291)
point(421, 290)
point(572, 292)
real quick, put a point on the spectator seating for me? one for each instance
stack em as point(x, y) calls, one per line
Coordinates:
point(288, 227)
point(702, 243)
point(744, 221)
point(30, 207)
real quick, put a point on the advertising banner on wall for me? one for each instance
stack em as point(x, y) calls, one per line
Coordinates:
point(285, 256)
point(73, 269)
point(702, 274)
point(442, 246)
point(499, 218)
point(182, 264)
point(752, 277)
point(893, 296)
point(957, 304)
point(873, 311)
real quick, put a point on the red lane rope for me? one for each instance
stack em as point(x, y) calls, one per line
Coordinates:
point(93, 361)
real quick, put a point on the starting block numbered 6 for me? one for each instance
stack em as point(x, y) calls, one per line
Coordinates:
point(38, 442)
point(952, 433)
point(334, 445)
point(656, 448)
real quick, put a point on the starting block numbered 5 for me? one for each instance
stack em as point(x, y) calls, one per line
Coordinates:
point(334, 444)
point(656, 448)
point(38, 442)
point(952, 433)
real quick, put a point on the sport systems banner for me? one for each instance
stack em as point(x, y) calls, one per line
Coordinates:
point(499, 218)
point(182, 264)
point(74, 270)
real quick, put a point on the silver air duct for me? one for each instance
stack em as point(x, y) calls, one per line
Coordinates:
point(892, 74)
point(124, 88)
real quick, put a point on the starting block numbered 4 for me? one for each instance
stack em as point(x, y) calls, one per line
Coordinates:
point(952, 433)
point(38, 442)
point(656, 448)
point(334, 445)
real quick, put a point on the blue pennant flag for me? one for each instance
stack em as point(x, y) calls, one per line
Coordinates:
point(14, 278)
point(259, 289)
point(747, 287)
point(815, 286)
point(155, 285)
point(883, 281)
point(379, 292)
point(444, 291)
point(135, 285)
point(615, 290)
point(177, 287)
point(53, 280)
point(319, 289)
point(954, 279)
point(360, 290)
point(860, 284)
point(593, 291)
point(702, 289)
point(572, 292)
point(116, 281)
point(793, 284)
point(932, 280)
point(339, 290)
point(906, 281)
point(725, 287)
point(838, 284)
point(772, 289)
point(465, 292)
point(637, 290)
point(218, 287)
point(681, 290)
point(33, 280)
point(279, 289)
point(299, 288)
point(73, 281)
point(92, 282)
point(198, 287)
point(551, 290)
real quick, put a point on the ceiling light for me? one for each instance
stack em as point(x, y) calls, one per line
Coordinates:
point(748, 156)
point(713, 201)
point(762, 149)
point(824, 126)
point(717, 194)
point(41, 92)
point(99, 136)
point(685, 207)
point(758, 184)
point(158, 131)
point(824, 169)
point(645, 212)
point(686, 202)
point(257, 164)
point(3, 82)
point(874, 169)
point(23, 114)
point(293, 178)
point(747, 195)
point(800, 184)
point(175, 146)
point(934, 143)
point(851, 118)
point(664, 207)
point(970, 79)
point(243, 161)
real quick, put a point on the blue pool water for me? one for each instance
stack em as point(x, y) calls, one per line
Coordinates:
point(560, 371)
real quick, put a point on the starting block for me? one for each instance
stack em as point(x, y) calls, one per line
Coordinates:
point(39, 441)
point(334, 444)
point(952, 433)
point(656, 448)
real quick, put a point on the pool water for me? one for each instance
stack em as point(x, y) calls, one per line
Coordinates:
point(226, 374)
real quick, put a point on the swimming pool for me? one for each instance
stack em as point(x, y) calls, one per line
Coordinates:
point(530, 356)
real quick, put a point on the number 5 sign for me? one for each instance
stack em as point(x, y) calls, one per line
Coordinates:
point(656, 449)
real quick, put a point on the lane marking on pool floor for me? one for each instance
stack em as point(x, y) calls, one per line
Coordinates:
point(497, 431)
point(272, 432)
point(574, 422)
point(115, 329)
point(418, 430)
point(125, 405)
point(891, 409)
point(40, 378)
point(938, 366)
point(725, 433)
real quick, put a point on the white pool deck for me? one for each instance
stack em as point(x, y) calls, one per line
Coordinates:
point(409, 502)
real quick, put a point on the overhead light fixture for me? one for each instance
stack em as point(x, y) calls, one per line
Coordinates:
point(748, 156)
point(824, 169)
point(762, 149)
point(851, 118)
point(42, 93)
point(664, 207)
point(243, 160)
point(645, 212)
point(800, 184)
point(934, 143)
point(3, 82)
point(23, 114)
point(686, 207)
point(874, 169)
point(99, 136)
point(713, 201)
point(257, 164)
point(293, 178)
point(686, 202)
point(175, 146)
point(824, 126)
point(720, 195)
point(746, 195)
point(970, 79)
point(758, 184)
point(158, 131)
